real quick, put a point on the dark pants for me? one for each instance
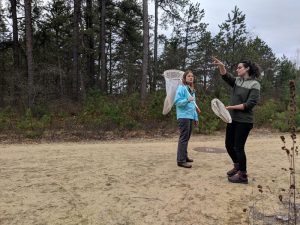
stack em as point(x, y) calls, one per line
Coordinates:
point(236, 136)
point(185, 128)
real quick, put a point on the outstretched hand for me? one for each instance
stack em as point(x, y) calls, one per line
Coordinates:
point(221, 65)
point(217, 62)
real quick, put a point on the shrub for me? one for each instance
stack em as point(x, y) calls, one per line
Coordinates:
point(39, 110)
point(281, 121)
point(208, 121)
point(6, 117)
point(265, 113)
point(29, 122)
point(297, 121)
point(155, 106)
point(128, 112)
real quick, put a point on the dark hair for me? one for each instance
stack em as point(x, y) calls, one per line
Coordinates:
point(184, 78)
point(254, 69)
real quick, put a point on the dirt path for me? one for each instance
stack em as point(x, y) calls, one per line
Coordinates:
point(131, 182)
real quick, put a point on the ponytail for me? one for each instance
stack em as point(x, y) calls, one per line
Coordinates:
point(254, 69)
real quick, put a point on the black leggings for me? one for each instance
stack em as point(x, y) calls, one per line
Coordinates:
point(236, 137)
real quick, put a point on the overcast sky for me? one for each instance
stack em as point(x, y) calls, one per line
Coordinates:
point(277, 22)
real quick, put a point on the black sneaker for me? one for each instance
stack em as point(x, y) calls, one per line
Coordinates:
point(184, 165)
point(233, 171)
point(189, 159)
point(240, 177)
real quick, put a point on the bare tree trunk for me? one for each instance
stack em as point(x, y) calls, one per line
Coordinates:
point(153, 83)
point(103, 81)
point(145, 50)
point(75, 74)
point(232, 66)
point(29, 54)
point(110, 62)
point(15, 34)
point(205, 80)
point(82, 87)
point(2, 65)
point(16, 51)
point(61, 87)
point(186, 45)
point(2, 78)
point(90, 55)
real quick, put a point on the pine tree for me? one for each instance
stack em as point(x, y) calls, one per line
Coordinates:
point(103, 80)
point(170, 9)
point(259, 52)
point(145, 70)
point(232, 38)
point(129, 47)
point(190, 28)
point(29, 52)
point(201, 61)
point(89, 36)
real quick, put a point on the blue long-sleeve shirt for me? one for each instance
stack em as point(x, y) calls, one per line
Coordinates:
point(184, 108)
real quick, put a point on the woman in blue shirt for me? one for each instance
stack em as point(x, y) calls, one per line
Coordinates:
point(186, 115)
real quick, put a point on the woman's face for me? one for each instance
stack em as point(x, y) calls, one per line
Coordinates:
point(242, 70)
point(189, 78)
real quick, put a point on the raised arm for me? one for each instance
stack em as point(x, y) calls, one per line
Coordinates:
point(228, 78)
point(220, 65)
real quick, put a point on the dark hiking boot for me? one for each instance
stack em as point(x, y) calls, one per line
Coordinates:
point(184, 165)
point(239, 177)
point(189, 159)
point(233, 171)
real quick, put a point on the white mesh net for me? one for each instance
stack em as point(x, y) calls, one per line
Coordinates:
point(173, 79)
point(219, 109)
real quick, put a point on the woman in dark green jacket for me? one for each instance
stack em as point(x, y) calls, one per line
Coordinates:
point(245, 95)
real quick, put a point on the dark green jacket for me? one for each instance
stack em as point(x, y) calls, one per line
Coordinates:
point(245, 91)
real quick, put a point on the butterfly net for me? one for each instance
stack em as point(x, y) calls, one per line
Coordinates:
point(219, 109)
point(173, 79)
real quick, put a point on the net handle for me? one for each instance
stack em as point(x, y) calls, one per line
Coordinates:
point(197, 107)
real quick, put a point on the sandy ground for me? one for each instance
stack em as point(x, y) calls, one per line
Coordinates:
point(133, 182)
